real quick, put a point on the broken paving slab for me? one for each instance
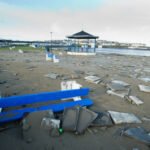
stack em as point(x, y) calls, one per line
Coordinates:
point(122, 95)
point(139, 134)
point(91, 73)
point(144, 88)
point(146, 79)
point(103, 119)
point(122, 75)
point(120, 117)
point(120, 82)
point(146, 69)
point(52, 76)
point(70, 118)
point(86, 117)
point(48, 123)
point(145, 119)
point(116, 87)
point(93, 79)
point(79, 72)
point(135, 100)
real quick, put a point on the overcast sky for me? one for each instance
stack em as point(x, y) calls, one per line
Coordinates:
point(116, 20)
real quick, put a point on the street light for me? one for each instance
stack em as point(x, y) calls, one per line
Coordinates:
point(51, 41)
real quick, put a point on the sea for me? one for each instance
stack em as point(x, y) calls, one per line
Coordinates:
point(123, 51)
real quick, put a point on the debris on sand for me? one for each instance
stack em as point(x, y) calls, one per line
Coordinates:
point(120, 82)
point(52, 76)
point(144, 88)
point(145, 119)
point(70, 118)
point(79, 72)
point(145, 79)
point(122, 95)
point(102, 120)
point(78, 119)
point(120, 117)
point(139, 134)
point(116, 87)
point(49, 123)
point(20, 51)
point(134, 100)
point(70, 85)
point(93, 79)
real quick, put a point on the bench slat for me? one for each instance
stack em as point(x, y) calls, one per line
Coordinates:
point(18, 114)
point(41, 97)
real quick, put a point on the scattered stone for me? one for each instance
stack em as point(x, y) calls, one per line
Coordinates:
point(147, 69)
point(93, 79)
point(86, 117)
point(3, 81)
point(121, 75)
point(70, 118)
point(91, 73)
point(25, 125)
point(147, 79)
point(52, 76)
point(54, 132)
point(139, 134)
point(30, 67)
point(65, 78)
point(144, 88)
point(122, 95)
point(79, 72)
point(119, 117)
point(74, 76)
point(48, 123)
point(120, 131)
point(135, 100)
point(116, 87)
point(145, 119)
point(121, 82)
point(49, 113)
point(103, 119)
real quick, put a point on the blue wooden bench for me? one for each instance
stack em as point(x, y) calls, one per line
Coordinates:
point(49, 54)
point(41, 97)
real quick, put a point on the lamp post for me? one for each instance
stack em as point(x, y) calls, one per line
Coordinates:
point(51, 41)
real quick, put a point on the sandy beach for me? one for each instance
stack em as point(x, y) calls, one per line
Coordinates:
point(24, 74)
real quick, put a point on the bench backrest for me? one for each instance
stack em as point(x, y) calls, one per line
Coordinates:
point(41, 97)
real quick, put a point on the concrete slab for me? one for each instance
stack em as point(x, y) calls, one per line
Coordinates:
point(144, 88)
point(146, 79)
point(70, 118)
point(86, 117)
point(91, 73)
point(121, 82)
point(52, 76)
point(136, 100)
point(79, 72)
point(120, 117)
point(48, 123)
point(93, 79)
point(116, 87)
point(122, 95)
point(139, 134)
point(103, 119)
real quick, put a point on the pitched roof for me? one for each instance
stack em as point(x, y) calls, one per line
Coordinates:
point(82, 35)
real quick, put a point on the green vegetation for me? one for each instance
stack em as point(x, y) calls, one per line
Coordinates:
point(24, 48)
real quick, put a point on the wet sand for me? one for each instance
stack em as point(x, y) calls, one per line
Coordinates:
point(20, 81)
